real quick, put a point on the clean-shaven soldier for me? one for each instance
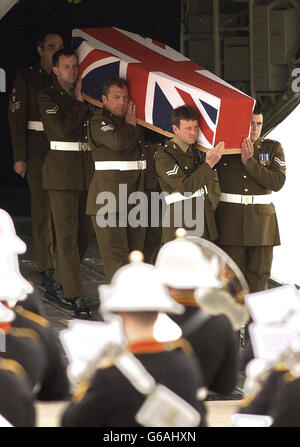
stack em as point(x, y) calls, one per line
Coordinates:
point(245, 216)
point(67, 171)
point(116, 144)
point(181, 171)
point(30, 146)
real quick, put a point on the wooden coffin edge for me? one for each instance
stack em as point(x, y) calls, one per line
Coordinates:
point(96, 102)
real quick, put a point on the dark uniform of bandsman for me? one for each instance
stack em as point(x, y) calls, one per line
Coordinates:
point(171, 363)
point(115, 140)
point(278, 398)
point(246, 218)
point(181, 171)
point(30, 146)
point(67, 172)
point(54, 383)
point(17, 401)
point(24, 350)
point(182, 269)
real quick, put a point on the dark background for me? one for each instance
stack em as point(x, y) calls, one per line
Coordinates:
point(19, 29)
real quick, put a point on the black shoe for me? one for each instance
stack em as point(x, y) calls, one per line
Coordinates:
point(55, 292)
point(47, 276)
point(80, 307)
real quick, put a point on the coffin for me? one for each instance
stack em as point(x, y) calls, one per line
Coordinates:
point(160, 80)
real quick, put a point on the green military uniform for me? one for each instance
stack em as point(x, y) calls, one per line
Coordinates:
point(153, 233)
point(248, 232)
point(67, 172)
point(113, 140)
point(31, 146)
point(180, 171)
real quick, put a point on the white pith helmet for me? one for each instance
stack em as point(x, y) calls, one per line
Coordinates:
point(8, 238)
point(137, 287)
point(13, 286)
point(182, 265)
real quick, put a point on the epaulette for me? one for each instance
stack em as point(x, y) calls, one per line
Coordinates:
point(268, 140)
point(32, 316)
point(13, 366)
point(182, 343)
point(24, 332)
point(80, 391)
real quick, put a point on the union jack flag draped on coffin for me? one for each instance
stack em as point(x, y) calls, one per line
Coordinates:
point(162, 79)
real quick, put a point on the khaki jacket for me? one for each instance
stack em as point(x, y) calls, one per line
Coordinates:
point(111, 139)
point(185, 174)
point(250, 225)
point(65, 119)
point(28, 145)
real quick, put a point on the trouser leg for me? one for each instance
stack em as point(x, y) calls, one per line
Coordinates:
point(65, 210)
point(254, 262)
point(152, 244)
point(42, 224)
point(238, 254)
point(259, 267)
point(85, 225)
point(115, 244)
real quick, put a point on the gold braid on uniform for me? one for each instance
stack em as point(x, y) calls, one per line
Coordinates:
point(13, 366)
point(80, 391)
point(32, 316)
point(289, 377)
point(182, 343)
point(24, 332)
point(281, 367)
point(248, 399)
point(278, 367)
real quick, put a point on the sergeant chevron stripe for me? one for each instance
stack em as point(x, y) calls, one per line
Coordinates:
point(280, 162)
point(15, 106)
point(173, 171)
point(52, 111)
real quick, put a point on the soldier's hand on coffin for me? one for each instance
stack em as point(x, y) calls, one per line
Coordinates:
point(77, 90)
point(130, 117)
point(20, 167)
point(214, 155)
point(247, 150)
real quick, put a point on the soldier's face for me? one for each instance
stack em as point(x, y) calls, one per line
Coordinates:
point(256, 127)
point(187, 131)
point(67, 70)
point(52, 43)
point(117, 100)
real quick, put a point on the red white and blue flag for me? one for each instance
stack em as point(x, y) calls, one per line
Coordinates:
point(160, 80)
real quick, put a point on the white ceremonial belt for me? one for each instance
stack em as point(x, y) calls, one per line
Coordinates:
point(177, 197)
point(35, 125)
point(246, 199)
point(120, 165)
point(69, 146)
